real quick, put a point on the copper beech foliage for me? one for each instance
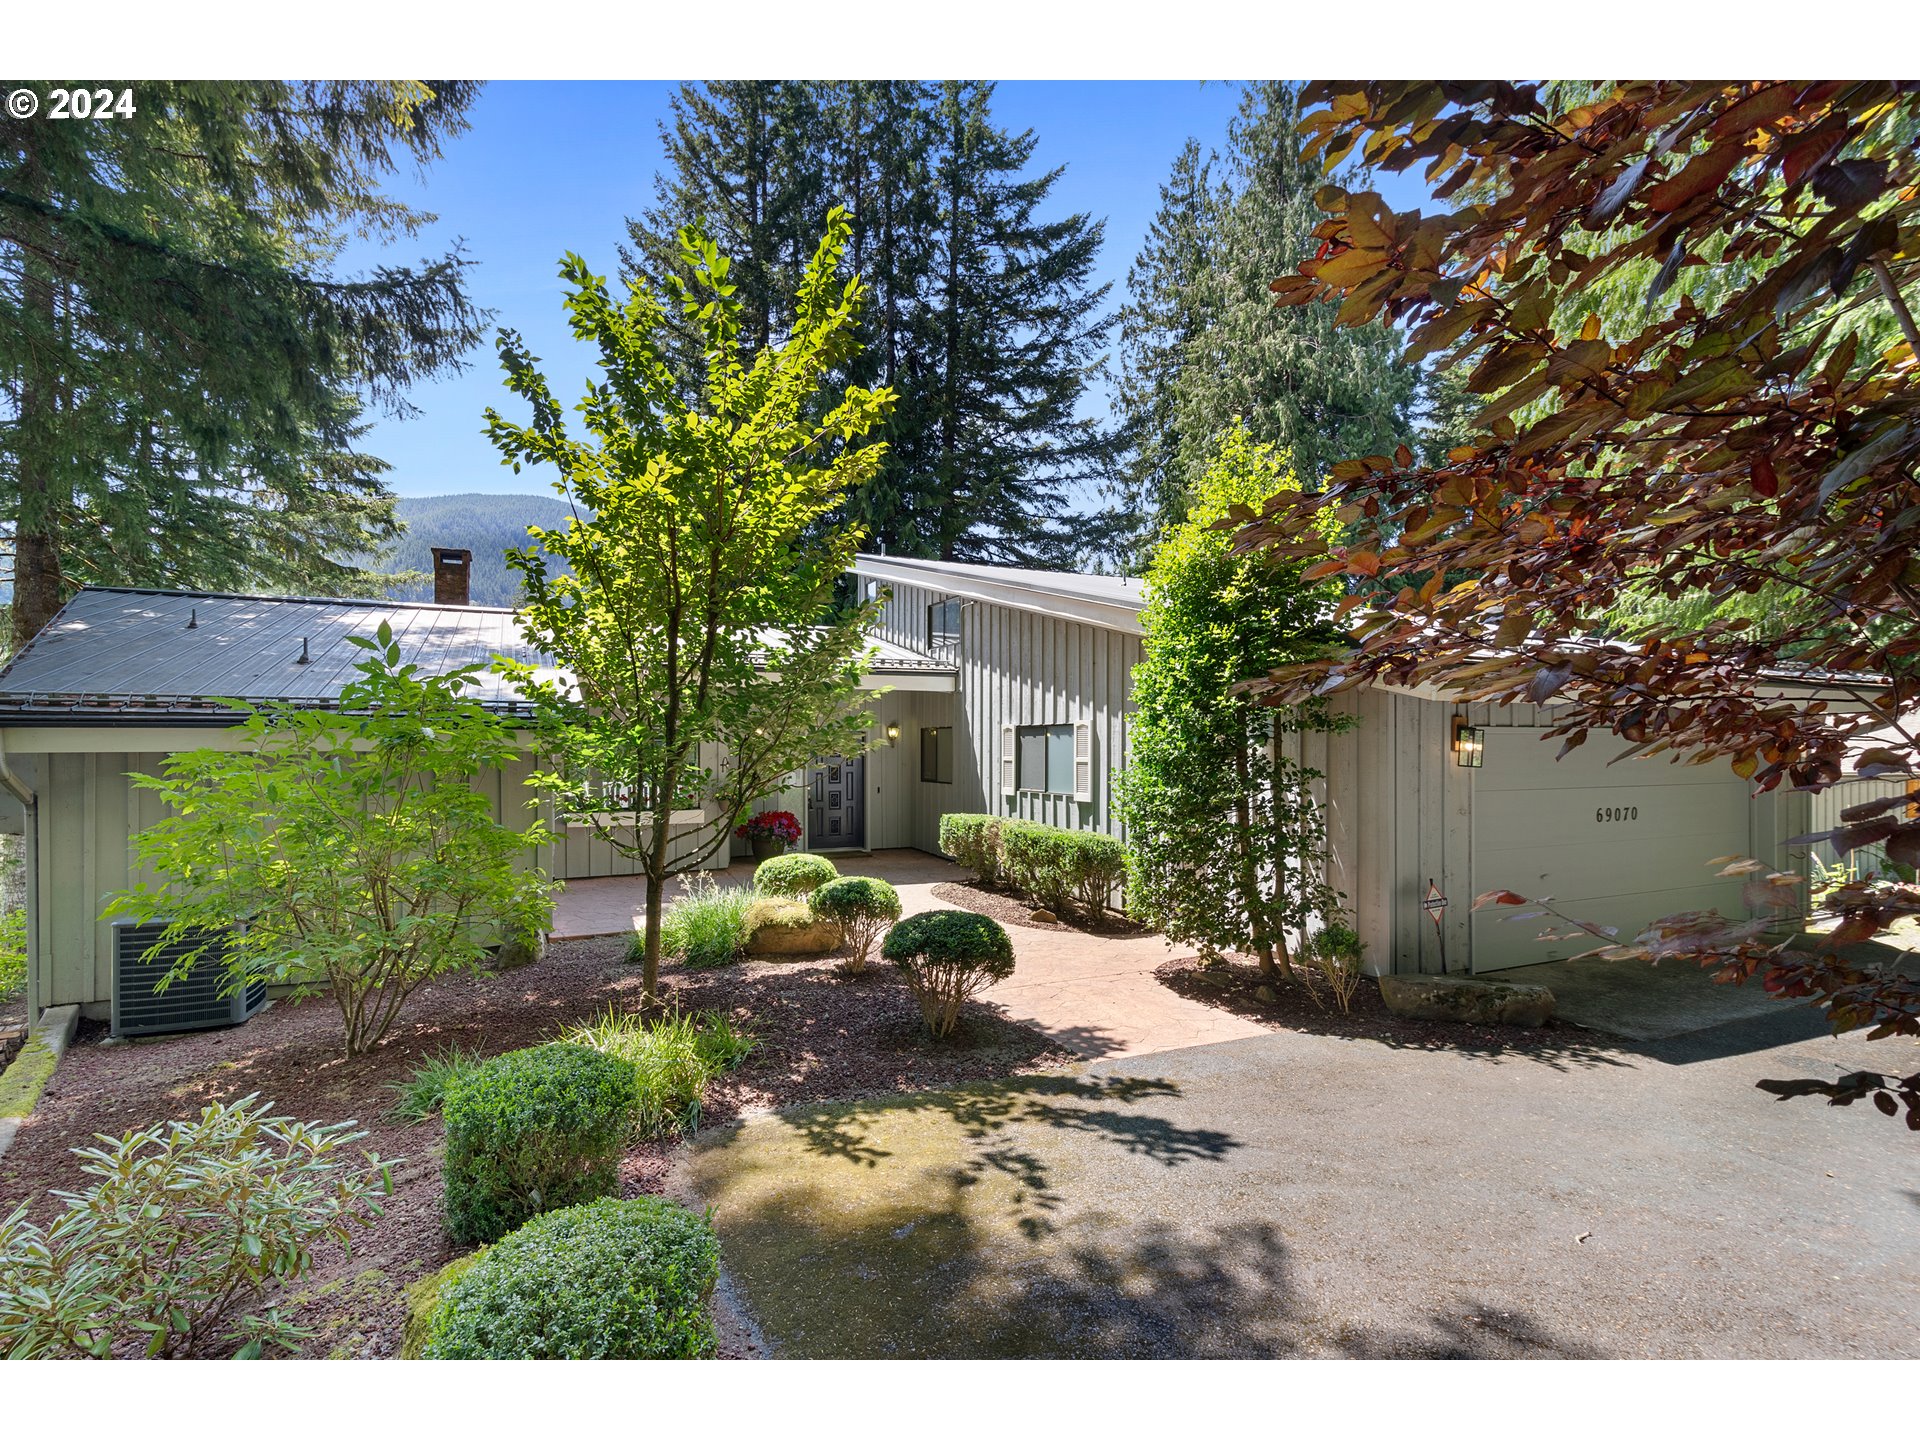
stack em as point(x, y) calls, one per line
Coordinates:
point(1752, 427)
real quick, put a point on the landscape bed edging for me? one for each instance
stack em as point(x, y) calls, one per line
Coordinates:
point(25, 1080)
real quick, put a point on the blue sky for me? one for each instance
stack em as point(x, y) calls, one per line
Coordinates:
point(554, 166)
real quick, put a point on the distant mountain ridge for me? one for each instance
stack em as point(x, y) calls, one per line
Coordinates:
point(488, 525)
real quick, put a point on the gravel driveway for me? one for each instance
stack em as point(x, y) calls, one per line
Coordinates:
point(1298, 1194)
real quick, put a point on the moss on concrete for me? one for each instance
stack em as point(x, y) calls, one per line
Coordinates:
point(27, 1076)
point(917, 1225)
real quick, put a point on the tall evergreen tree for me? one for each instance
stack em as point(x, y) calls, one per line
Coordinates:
point(182, 367)
point(984, 319)
point(1205, 342)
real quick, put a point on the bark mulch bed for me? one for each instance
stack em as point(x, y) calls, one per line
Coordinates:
point(1013, 910)
point(1306, 1004)
point(821, 1036)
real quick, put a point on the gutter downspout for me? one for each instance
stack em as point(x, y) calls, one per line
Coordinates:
point(30, 840)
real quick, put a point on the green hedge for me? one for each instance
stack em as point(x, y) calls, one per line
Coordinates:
point(794, 876)
point(1051, 865)
point(534, 1130)
point(614, 1280)
point(974, 842)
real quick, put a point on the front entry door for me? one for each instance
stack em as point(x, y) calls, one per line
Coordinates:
point(837, 803)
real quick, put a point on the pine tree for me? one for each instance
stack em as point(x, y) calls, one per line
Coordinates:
point(182, 369)
point(1164, 315)
point(983, 317)
point(1207, 344)
point(1018, 334)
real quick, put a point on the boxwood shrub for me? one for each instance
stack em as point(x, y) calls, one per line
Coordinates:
point(948, 956)
point(863, 908)
point(614, 1280)
point(533, 1130)
point(794, 876)
point(973, 842)
point(1057, 866)
point(1044, 863)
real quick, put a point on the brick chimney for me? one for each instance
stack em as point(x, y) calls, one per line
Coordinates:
point(452, 576)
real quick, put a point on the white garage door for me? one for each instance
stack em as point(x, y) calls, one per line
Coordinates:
point(1616, 845)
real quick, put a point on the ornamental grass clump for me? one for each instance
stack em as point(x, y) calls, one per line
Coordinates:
point(614, 1280)
point(705, 927)
point(793, 876)
point(191, 1224)
point(863, 908)
point(674, 1058)
point(948, 956)
point(533, 1130)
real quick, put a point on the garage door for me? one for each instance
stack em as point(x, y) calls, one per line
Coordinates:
point(1615, 845)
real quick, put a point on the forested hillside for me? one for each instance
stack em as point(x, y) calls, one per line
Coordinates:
point(488, 525)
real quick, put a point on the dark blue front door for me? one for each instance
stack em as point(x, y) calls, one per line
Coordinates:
point(837, 803)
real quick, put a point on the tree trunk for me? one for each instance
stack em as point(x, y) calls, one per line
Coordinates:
point(1244, 859)
point(650, 961)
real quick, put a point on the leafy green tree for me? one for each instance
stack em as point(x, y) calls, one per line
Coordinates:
point(701, 654)
point(183, 368)
point(345, 851)
point(1226, 842)
point(1203, 344)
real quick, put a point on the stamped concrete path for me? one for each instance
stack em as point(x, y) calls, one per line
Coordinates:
point(1094, 994)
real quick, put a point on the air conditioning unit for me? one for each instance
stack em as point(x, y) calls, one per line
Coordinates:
point(192, 1002)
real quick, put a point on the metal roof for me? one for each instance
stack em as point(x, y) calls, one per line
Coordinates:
point(117, 654)
point(1110, 600)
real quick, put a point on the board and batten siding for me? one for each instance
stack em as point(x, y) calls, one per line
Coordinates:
point(1400, 812)
point(90, 810)
point(1016, 667)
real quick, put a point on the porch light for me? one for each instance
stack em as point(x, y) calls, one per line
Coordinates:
point(1469, 746)
point(893, 732)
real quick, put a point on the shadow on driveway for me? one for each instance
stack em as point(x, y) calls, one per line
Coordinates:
point(938, 1225)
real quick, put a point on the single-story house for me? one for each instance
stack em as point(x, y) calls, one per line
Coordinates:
point(1005, 691)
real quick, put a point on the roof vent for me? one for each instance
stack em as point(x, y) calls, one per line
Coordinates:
point(305, 659)
point(452, 576)
point(192, 1002)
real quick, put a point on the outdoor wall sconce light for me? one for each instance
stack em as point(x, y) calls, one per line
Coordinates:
point(893, 732)
point(1469, 746)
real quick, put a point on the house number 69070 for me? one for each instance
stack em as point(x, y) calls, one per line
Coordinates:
point(1616, 812)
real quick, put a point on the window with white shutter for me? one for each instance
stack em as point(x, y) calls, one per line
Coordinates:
point(1083, 762)
point(1009, 778)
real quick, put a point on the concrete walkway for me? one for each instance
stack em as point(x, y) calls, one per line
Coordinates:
point(1095, 995)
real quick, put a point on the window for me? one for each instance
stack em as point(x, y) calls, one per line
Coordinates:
point(943, 625)
point(1046, 758)
point(936, 754)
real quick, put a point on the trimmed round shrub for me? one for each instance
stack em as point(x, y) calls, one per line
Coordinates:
point(533, 1130)
point(614, 1280)
point(948, 956)
point(863, 908)
point(795, 876)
